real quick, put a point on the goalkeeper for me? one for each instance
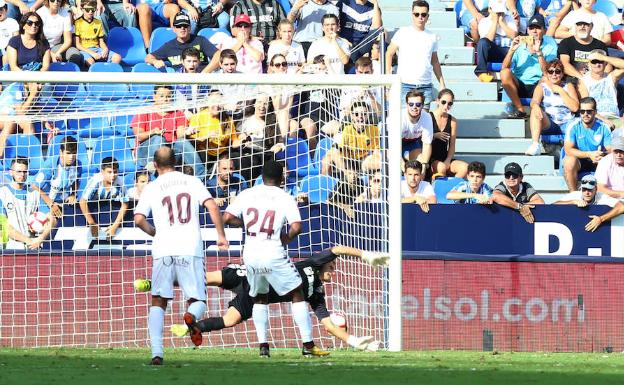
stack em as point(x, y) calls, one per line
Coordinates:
point(315, 270)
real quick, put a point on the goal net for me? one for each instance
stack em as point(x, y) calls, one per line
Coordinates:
point(89, 138)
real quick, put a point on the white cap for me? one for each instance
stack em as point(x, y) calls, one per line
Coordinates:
point(498, 6)
point(583, 17)
point(2, 3)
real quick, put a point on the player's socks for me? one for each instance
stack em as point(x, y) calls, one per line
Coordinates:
point(197, 308)
point(260, 316)
point(301, 316)
point(210, 324)
point(156, 324)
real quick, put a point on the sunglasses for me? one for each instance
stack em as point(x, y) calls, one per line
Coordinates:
point(280, 64)
point(359, 113)
point(30, 23)
point(20, 171)
point(582, 24)
point(511, 175)
point(555, 72)
point(54, 1)
point(597, 61)
point(419, 14)
point(444, 102)
point(588, 112)
point(372, 180)
point(184, 26)
point(89, 9)
point(412, 104)
point(534, 27)
point(244, 26)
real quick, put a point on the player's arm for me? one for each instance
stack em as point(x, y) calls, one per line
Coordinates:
point(141, 222)
point(47, 229)
point(54, 207)
point(215, 216)
point(232, 220)
point(372, 258)
point(293, 230)
point(84, 207)
point(320, 310)
point(112, 229)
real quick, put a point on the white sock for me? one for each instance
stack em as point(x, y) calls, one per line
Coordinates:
point(301, 316)
point(260, 316)
point(197, 308)
point(156, 324)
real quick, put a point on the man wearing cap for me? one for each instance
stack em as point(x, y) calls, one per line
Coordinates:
point(265, 15)
point(610, 170)
point(588, 195)
point(172, 50)
point(574, 50)
point(601, 86)
point(512, 192)
point(601, 26)
point(249, 50)
point(525, 63)
point(496, 31)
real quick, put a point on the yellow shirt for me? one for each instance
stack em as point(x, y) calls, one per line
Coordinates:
point(89, 32)
point(357, 145)
point(219, 136)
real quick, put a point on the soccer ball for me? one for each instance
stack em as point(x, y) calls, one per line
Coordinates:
point(37, 222)
point(339, 319)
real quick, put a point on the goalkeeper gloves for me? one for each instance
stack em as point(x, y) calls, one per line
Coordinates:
point(375, 259)
point(360, 343)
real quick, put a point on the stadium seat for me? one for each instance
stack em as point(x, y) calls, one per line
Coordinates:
point(128, 43)
point(318, 187)
point(62, 92)
point(495, 67)
point(298, 162)
point(159, 37)
point(107, 92)
point(144, 91)
point(64, 67)
point(609, 9)
point(285, 5)
point(55, 144)
point(121, 125)
point(507, 99)
point(118, 148)
point(94, 127)
point(442, 186)
point(26, 145)
point(217, 36)
point(322, 147)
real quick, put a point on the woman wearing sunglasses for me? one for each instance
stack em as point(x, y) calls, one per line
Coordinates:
point(29, 51)
point(57, 29)
point(285, 45)
point(444, 137)
point(553, 104)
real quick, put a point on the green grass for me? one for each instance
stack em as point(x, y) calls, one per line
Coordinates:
point(244, 367)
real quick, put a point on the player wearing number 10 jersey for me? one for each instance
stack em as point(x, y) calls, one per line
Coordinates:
point(177, 249)
point(263, 210)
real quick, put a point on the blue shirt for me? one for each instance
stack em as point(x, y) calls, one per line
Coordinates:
point(526, 66)
point(234, 188)
point(96, 191)
point(58, 181)
point(355, 20)
point(465, 188)
point(597, 137)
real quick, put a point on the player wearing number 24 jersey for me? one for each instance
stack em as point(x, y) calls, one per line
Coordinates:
point(174, 199)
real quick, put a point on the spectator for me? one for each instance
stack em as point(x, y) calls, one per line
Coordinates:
point(105, 187)
point(552, 106)
point(122, 11)
point(187, 95)
point(282, 97)
point(308, 15)
point(203, 12)
point(525, 64)
point(172, 50)
point(58, 29)
point(369, 95)
point(15, 102)
point(285, 45)
point(610, 170)
point(249, 50)
point(516, 194)
point(90, 37)
point(601, 86)
point(587, 141)
point(373, 192)
point(334, 48)
point(574, 50)
point(29, 51)
point(474, 190)
point(496, 32)
point(360, 23)
point(157, 13)
point(524, 12)
point(471, 13)
point(444, 138)
point(234, 95)
point(588, 195)
point(265, 15)
point(416, 129)
point(161, 127)
point(414, 189)
point(225, 186)
point(141, 179)
point(59, 178)
point(8, 29)
point(18, 8)
point(601, 26)
point(418, 55)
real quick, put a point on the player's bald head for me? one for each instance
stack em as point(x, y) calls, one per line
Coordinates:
point(164, 158)
point(272, 173)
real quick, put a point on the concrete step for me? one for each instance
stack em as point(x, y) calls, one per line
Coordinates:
point(456, 55)
point(492, 146)
point(449, 37)
point(490, 128)
point(495, 164)
point(477, 110)
point(396, 17)
point(458, 72)
point(542, 183)
point(442, 19)
point(552, 197)
point(472, 90)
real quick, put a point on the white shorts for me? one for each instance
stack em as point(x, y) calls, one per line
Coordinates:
point(188, 272)
point(281, 274)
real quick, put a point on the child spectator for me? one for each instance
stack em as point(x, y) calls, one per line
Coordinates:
point(285, 45)
point(90, 37)
point(474, 190)
point(141, 179)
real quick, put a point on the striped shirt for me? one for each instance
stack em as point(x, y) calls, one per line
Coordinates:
point(96, 191)
point(355, 19)
point(264, 17)
point(17, 205)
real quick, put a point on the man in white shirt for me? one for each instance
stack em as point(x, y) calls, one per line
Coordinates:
point(308, 14)
point(610, 170)
point(263, 212)
point(414, 189)
point(602, 27)
point(416, 129)
point(174, 199)
point(335, 48)
point(418, 55)
point(8, 29)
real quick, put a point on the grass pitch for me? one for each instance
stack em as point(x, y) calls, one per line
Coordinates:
point(244, 367)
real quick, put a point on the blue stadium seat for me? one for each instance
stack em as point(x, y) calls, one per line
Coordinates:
point(298, 162)
point(318, 187)
point(495, 67)
point(609, 9)
point(55, 144)
point(64, 67)
point(121, 125)
point(94, 127)
point(217, 36)
point(63, 92)
point(107, 92)
point(507, 99)
point(128, 43)
point(159, 37)
point(118, 148)
point(26, 145)
point(285, 5)
point(322, 147)
point(442, 186)
point(144, 91)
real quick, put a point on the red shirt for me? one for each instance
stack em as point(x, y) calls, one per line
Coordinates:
point(170, 121)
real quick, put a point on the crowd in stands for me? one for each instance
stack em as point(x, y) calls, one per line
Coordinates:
point(556, 60)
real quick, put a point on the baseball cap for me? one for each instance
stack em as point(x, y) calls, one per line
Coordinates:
point(498, 6)
point(513, 168)
point(537, 19)
point(588, 182)
point(617, 143)
point(2, 3)
point(181, 19)
point(242, 18)
point(583, 17)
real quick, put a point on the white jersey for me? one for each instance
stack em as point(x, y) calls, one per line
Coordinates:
point(422, 129)
point(264, 210)
point(18, 205)
point(174, 199)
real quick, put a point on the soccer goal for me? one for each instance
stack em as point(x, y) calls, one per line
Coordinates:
point(66, 278)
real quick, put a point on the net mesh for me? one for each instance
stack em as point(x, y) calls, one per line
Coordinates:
point(76, 288)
